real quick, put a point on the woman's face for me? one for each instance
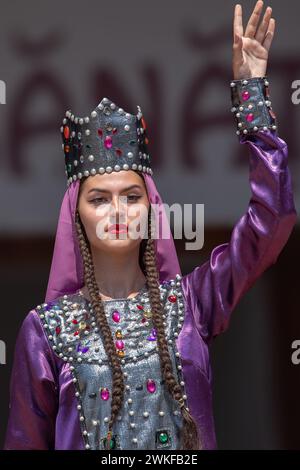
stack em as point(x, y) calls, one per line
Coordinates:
point(114, 210)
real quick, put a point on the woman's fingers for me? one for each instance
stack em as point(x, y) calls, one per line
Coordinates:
point(237, 55)
point(269, 35)
point(254, 19)
point(238, 21)
point(263, 28)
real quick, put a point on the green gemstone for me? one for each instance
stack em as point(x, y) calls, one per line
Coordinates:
point(69, 167)
point(132, 142)
point(112, 443)
point(88, 146)
point(163, 437)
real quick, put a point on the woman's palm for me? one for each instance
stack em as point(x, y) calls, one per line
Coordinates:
point(251, 50)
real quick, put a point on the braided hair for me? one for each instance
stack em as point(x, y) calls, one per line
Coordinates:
point(189, 434)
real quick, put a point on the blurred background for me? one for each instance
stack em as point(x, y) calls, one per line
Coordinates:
point(172, 58)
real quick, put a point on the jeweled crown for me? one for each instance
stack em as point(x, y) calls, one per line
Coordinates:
point(110, 139)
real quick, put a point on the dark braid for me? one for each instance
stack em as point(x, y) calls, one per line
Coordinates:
point(189, 435)
point(101, 320)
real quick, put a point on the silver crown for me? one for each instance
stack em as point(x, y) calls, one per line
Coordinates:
point(110, 139)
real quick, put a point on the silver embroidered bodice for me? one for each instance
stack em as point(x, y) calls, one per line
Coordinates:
point(150, 418)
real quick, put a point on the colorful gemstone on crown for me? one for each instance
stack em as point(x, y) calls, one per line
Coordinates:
point(108, 142)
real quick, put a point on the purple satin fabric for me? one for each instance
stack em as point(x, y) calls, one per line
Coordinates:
point(43, 412)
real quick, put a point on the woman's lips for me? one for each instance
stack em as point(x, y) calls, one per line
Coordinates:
point(118, 228)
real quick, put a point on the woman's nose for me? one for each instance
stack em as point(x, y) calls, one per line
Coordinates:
point(118, 207)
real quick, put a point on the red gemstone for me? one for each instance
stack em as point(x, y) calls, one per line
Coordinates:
point(100, 132)
point(57, 330)
point(119, 344)
point(116, 316)
point(67, 148)
point(140, 307)
point(172, 298)
point(104, 394)
point(66, 132)
point(143, 123)
point(115, 130)
point(108, 142)
point(151, 386)
point(250, 117)
point(245, 95)
point(146, 140)
point(143, 320)
point(76, 333)
point(75, 322)
point(119, 152)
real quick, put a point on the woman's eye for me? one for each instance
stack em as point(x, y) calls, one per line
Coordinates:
point(133, 197)
point(99, 200)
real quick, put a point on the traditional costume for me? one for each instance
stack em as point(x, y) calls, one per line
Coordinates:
point(61, 379)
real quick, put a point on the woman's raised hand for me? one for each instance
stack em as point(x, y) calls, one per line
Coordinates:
point(251, 50)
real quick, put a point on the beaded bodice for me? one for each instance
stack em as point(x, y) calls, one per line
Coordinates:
point(150, 418)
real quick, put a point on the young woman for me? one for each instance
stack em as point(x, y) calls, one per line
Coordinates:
point(117, 357)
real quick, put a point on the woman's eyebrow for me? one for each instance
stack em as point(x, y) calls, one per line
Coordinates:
point(100, 190)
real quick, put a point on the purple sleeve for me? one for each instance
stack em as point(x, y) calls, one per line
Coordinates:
point(33, 390)
point(214, 288)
